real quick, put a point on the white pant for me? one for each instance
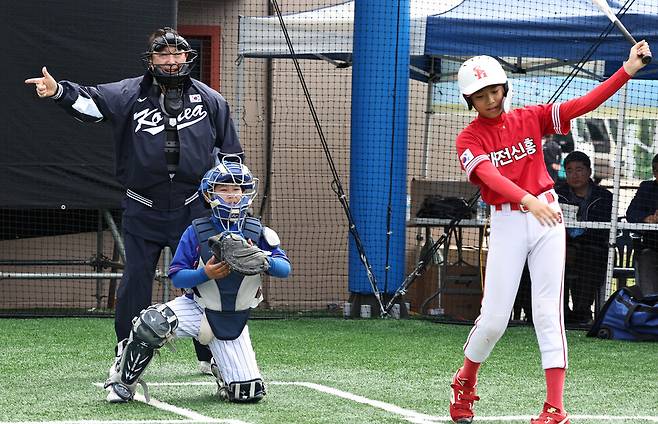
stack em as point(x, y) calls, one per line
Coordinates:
point(515, 236)
point(235, 358)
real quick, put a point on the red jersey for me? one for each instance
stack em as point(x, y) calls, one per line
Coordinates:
point(512, 142)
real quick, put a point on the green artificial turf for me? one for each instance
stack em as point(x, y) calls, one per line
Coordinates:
point(48, 367)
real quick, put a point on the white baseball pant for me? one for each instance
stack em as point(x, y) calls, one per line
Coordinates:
point(235, 358)
point(515, 236)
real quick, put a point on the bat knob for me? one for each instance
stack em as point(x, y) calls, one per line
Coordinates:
point(646, 59)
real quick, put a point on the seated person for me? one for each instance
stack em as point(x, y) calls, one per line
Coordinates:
point(552, 158)
point(587, 249)
point(644, 208)
point(218, 299)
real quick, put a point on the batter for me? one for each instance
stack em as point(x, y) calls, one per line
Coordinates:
point(501, 152)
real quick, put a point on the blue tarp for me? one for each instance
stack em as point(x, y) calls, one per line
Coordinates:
point(556, 29)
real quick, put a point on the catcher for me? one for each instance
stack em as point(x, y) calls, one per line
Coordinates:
point(219, 262)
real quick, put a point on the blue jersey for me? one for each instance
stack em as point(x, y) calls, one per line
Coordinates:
point(188, 253)
point(227, 302)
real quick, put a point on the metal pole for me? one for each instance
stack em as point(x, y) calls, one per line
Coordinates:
point(115, 234)
point(46, 262)
point(99, 254)
point(58, 275)
point(612, 235)
point(239, 64)
point(111, 290)
point(429, 112)
point(165, 280)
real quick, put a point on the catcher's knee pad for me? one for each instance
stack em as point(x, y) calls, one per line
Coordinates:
point(153, 327)
point(238, 391)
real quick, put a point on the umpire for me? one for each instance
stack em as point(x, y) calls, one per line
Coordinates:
point(168, 130)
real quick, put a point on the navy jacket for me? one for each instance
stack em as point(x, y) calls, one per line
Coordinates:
point(645, 203)
point(597, 208)
point(132, 107)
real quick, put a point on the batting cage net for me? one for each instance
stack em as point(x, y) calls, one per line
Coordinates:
point(348, 113)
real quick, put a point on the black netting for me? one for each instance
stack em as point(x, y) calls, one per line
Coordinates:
point(364, 114)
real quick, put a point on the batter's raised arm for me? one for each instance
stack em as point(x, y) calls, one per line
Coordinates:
point(46, 86)
point(602, 92)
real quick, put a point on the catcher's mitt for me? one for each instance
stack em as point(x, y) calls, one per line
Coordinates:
point(241, 256)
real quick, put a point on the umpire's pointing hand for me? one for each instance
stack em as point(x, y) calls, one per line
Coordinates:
point(46, 86)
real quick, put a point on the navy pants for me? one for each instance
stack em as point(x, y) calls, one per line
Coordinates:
point(136, 288)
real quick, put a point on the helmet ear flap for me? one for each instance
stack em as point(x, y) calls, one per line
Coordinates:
point(466, 101)
point(507, 102)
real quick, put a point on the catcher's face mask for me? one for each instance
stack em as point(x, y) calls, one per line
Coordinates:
point(229, 189)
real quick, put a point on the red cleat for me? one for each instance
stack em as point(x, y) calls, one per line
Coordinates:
point(551, 415)
point(462, 398)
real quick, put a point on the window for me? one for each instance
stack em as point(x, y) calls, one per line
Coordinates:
point(205, 40)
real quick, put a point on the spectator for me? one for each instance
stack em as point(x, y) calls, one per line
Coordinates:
point(552, 157)
point(587, 249)
point(644, 209)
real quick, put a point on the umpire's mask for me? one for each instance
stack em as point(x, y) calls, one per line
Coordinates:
point(172, 74)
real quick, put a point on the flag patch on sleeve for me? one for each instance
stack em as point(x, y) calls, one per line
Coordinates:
point(466, 157)
point(195, 98)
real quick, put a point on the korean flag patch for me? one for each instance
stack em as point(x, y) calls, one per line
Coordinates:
point(466, 158)
point(195, 98)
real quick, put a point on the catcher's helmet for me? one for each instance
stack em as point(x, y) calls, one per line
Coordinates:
point(479, 72)
point(168, 37)
point(231, 216)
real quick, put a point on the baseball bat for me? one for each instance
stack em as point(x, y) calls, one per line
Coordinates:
point(605, 8)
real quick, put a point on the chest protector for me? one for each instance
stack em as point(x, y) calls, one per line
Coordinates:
point(227, 302)
point(172, 145)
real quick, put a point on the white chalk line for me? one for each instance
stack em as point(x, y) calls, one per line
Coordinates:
point(187, 413)
point(408, 414)
point(420, 418)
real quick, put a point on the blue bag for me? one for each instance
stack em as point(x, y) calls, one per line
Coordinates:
point(628, 315)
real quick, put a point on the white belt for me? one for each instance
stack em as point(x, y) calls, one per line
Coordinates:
point(547, 197)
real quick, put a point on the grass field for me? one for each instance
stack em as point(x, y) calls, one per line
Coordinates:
point(321, 371)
